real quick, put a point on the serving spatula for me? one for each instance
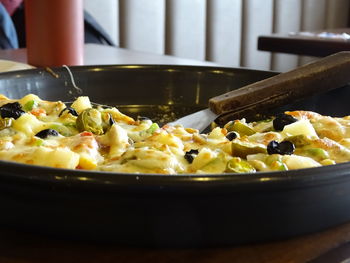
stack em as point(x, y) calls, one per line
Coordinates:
point(322, 75)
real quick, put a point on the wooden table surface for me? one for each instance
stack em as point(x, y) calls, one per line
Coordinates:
point(306, 43)
point(19, 247)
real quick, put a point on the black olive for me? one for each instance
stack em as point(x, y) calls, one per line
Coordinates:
point(111, 120)
point(272, 147)
point(285, 147)
point(231, 136)
point(70, 110)
point(11, 110)
point(189, 155)
point(46, 133)
point(282, 120)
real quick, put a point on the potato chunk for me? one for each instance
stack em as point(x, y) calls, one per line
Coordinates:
point(81, 103)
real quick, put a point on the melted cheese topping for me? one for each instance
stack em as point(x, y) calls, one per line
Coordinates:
point(107, 140)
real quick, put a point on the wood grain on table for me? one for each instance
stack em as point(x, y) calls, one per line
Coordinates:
point(17, 247)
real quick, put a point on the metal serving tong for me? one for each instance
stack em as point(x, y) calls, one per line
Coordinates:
point(322, 75)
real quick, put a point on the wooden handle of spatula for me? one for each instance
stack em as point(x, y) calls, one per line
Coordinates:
point(322, 75)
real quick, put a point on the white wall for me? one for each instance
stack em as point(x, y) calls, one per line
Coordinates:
point(106, 12)
point(222, 31)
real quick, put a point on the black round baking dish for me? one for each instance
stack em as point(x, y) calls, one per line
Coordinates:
point(167, 210)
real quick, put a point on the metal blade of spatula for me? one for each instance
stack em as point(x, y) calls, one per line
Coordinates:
point(322, 75)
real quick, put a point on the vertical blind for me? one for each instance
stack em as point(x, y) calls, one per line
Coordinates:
point(222, 31)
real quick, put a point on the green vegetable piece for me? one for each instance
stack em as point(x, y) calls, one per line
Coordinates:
point(154, 126)
point(237, 165)
point(70, 125)
point(5, 123)
point(90, 120)
point(282, 167)
point(30, 105)
point(242, 149)
point(39, 142)
point(241, 128)
point(62, 129)
point(317, 153)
